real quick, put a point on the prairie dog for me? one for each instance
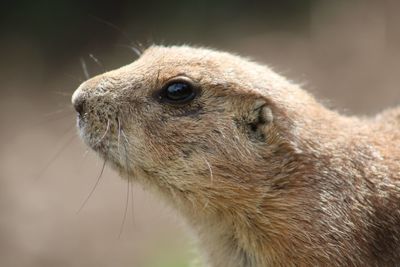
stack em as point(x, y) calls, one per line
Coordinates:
point(263, 173)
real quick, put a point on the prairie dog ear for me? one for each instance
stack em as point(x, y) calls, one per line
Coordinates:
point(256, 118)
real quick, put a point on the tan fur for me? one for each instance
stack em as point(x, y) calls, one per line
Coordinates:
point(303, 186)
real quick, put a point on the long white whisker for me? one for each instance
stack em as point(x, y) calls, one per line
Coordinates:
point(125, 211)
point(115, 27)
point(97, 61)
point(125, 137)
point(55, 117)
point(56, 112)
point(85, 69)
point(57, 154)
point(94, 187)
point(119, 137)
point(126, 151)
point(132, 204)
point(136, 51)
point(105, 133)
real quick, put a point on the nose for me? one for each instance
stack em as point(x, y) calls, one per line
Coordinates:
point(78, 101)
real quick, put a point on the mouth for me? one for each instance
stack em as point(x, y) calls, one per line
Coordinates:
point(80, 122)
point(92, 138)
point(103, 136)
point(100, 129)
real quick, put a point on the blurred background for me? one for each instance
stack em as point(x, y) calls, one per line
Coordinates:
point(345, 52)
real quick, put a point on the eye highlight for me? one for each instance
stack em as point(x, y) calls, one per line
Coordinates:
point(178, 91)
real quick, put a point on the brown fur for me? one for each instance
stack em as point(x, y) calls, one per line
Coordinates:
point(264, 174)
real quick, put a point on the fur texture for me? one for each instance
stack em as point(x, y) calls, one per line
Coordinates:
point(264, 174)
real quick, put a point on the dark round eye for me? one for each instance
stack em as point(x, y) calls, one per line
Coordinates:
point(178, 92)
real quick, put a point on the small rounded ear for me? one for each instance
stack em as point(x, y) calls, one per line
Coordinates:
point(256, 119)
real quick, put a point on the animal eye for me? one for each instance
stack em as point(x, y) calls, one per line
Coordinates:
point(178, 92)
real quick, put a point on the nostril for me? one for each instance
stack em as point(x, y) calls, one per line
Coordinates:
point(79, 105)
point(79, 101)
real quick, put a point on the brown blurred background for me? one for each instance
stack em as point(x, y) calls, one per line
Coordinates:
point(345, 52)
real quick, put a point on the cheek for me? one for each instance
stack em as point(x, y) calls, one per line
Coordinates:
point(161, 140)
point(176, 139)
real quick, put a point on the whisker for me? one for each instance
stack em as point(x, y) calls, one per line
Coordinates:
point(120, 131)
point(113, 26)
point(82, 162)
point(125, 211)
point(56, 155)
point(94, 187)
point(61, 93)
point(96, 61)
point(132, 203)
point(205, 205)
point(158, 76)
point(119, 138)
point(135, 50)
point(119, 134)
point(125, 137)
point(44, 121)
point(80, 80)
point(138, 48)
point(126, 151)
point(85, 69)
point(86, 153)
point(56, 112)
point(105, 133)
point(210, 169)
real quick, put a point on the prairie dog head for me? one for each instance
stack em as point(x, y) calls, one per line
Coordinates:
point(204, 128)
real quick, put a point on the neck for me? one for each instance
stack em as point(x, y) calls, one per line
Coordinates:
point(225, 243)
point(258, 236)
